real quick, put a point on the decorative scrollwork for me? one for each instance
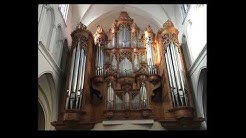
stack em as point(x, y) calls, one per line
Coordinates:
point(125, 17)
point(127, 54)
point(81, 26)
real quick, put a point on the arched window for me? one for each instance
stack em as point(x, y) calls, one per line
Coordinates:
point(64, 10)
point(46, 26)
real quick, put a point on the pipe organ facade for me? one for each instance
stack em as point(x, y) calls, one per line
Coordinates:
point(125, 75)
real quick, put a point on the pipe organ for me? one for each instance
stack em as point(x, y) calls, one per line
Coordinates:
point(119, 75)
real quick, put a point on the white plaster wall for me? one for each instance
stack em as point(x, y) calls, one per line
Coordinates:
point(182, 24)
point(178, 22)
point(194, 71)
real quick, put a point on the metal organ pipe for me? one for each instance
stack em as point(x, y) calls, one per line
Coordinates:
point(150, 57)
point(175, 90)
point(82, 78)
point(170, 79)
point(76, 79)
point(97, 56)
point(102, 61)
point(76, 68)
point(181, 74)
point(70, 77)
point(99, 60)
point(113, 41)
point(177, 81)
point(110, 96)
point(143, 93)
point(75, 76)
point(176, 68)
point(79, 89)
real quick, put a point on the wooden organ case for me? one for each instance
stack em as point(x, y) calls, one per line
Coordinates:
point(125, 75)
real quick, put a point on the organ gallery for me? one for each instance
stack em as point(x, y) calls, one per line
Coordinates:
point(123, 74)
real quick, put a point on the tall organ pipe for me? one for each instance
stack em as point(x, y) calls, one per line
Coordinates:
point(181, 75)
point(82, 81)
point(180, 92)
point(170, 79)
point(70, 77)
point(102, 61)
point(79, 91)
point(74, 83)
point(173, 75)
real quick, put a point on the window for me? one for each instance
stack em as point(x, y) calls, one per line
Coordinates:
point(184, 10)
point(64, 10)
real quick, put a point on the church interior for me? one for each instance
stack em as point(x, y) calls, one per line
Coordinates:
point(104, 67)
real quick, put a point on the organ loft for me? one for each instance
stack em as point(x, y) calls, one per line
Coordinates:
point(126, 75)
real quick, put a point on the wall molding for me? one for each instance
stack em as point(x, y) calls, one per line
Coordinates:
point(198, 60)
point(49, 58)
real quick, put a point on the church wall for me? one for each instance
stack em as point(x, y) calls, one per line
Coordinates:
point(46, 58)
point(196, 64)
point(182, 24)
point(58, 21)
point(195, 70)
point(45, 65)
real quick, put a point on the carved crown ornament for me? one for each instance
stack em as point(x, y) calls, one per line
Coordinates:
point(113, 28)
point(168, 34)
point(135, 27)
point(149, 33)
point(100, 36)
point(81, 36)
point(81, 26)
point(124, 17)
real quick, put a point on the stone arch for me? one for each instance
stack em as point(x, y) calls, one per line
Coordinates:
point(202, 92)
point(46, 97)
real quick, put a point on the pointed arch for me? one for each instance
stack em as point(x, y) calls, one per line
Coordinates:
point(47, 98)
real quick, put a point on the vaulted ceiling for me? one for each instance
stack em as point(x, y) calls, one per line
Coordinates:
point(104, 14)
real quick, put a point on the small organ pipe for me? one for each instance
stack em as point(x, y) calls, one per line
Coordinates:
point(143, 92)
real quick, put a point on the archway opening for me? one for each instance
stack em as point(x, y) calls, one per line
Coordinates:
point(202, 89)
point(41, 118)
